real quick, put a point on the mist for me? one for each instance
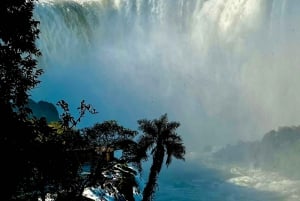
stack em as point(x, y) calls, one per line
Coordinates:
point(226, 70)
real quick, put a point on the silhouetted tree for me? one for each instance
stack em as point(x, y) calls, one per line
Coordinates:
point(73, 153)
point(111, 135)
point(18, 74)
point(160, 138)
point(18, 53)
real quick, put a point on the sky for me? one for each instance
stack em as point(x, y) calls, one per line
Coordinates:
point(226, 70)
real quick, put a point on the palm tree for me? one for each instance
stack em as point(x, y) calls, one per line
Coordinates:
point(159, 137)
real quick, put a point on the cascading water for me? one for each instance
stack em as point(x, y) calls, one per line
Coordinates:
point(226, 69)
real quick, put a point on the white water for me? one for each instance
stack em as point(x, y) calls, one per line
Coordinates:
point(205, 179)
point(226, 69)
point(240, 184)
point(286, 188)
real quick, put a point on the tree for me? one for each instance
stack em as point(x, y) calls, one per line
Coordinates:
point(18, 53)
point(73, 153)
point(18, 74)
point(121, 180)
point(160, 138)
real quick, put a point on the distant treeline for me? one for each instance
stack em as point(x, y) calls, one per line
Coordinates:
point(278, 150)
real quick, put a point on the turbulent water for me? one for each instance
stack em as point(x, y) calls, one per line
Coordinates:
point(201, 181)
point(225, 69)
point(233, 184)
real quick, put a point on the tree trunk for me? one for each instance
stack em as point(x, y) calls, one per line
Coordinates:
point(154, 172)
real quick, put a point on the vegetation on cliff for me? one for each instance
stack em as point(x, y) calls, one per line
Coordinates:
point(278, 150)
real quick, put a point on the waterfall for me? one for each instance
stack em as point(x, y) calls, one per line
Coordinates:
point(226, 69)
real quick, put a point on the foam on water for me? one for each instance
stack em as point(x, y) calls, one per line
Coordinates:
point(207, 181)
point(267, 181)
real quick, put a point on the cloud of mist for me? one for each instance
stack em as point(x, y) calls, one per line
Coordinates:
point(226, 70)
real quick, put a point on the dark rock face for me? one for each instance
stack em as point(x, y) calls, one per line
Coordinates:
point(44, 109)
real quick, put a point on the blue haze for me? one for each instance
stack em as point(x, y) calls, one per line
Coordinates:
point(227, 70)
